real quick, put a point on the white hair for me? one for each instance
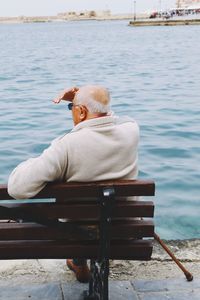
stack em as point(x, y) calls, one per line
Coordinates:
point(88, 99)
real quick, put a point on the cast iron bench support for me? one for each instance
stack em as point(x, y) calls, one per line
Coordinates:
point(98, 285)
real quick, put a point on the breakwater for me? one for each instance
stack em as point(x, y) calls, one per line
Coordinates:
point(149, 22)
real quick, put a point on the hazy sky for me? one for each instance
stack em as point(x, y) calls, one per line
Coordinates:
point(52, 7)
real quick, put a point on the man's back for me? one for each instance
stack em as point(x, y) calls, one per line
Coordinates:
point(98, 149)
point(102, 149)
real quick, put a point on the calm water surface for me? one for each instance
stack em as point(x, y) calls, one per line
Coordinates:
point(153, 74)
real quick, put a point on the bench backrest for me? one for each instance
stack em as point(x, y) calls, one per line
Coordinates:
point(41, 235)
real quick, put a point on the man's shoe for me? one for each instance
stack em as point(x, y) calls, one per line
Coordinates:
point(82, 272)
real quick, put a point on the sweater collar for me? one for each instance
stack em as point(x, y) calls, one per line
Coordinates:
point(111, 119)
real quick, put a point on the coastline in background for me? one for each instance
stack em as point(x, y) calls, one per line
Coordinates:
point(175, 16)
point(104, 15)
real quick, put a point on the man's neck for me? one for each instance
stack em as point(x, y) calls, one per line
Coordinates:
point(94, 116)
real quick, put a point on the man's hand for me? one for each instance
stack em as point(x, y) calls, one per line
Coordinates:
point(67, 95)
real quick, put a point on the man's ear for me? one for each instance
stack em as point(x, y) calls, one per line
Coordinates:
point(83, 113)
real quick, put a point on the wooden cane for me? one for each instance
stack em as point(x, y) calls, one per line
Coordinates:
point(188, 275)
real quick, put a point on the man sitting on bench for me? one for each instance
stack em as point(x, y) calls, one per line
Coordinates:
point(101, 146)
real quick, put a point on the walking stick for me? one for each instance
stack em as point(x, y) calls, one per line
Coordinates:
point(188, 275)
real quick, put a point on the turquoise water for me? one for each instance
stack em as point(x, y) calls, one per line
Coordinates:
point(153, 74)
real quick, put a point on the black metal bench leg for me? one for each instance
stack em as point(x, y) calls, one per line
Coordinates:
point(98, 285)
point(105, 280)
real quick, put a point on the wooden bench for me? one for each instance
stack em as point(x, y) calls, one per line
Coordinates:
point(102, 224)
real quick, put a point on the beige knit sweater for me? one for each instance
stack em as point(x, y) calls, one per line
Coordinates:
point(97, 149)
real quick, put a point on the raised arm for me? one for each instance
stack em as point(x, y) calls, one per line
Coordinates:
point(66, 95)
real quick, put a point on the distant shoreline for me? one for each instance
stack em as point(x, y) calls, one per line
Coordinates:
point(140, 21)
point(47, 19)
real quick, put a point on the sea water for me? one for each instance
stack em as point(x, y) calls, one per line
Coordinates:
point(153, 74)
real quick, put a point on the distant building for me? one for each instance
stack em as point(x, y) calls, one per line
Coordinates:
point(187, 3)
point(85, 14)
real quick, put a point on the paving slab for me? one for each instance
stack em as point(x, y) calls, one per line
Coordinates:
point(73, 290)
point(184, 295)
point(49, 291)
point(168, 289)
point(166, 285)
point(118, 290)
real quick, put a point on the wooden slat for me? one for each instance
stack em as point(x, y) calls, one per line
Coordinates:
point(140, 250)
point(79, 231)
point(75, 211)
point(4, 193)
point(91, 189)
point(134, 209)
point(132, 229)
point(32, 231)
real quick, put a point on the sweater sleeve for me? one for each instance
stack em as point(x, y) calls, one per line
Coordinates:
point(31, 176)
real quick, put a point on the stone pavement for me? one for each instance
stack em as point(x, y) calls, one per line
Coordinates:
point(167, 289)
